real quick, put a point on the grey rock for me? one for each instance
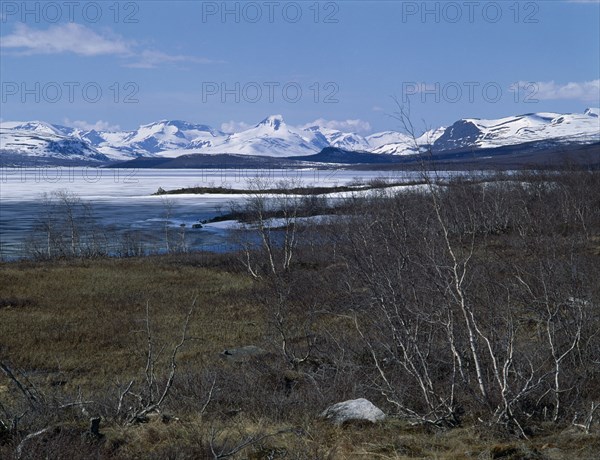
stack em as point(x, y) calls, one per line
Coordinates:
point(352, 410)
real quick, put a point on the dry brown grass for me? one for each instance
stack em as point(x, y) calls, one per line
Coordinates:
point(69, 325)
point(84, 321)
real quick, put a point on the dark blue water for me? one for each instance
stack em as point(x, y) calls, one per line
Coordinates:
point(22, 222)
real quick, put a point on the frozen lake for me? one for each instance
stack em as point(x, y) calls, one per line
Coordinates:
point(122, 199)
point(27, 184)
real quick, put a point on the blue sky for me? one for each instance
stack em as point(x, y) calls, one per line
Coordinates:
point(229, 65)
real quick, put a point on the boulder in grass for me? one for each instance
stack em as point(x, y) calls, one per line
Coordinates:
point(353, 410)
point(242, 354)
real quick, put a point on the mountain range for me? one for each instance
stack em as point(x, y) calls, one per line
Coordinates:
point(37, 141)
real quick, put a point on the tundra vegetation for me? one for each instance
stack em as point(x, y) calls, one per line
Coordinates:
point(468, 311)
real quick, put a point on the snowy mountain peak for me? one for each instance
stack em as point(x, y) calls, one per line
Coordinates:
point(274, 122)
point(37, 140)
point(273, 137)
point(39, 127)
point(477, 133)
point(178, 124)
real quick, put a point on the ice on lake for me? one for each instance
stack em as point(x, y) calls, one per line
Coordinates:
point(122, 198)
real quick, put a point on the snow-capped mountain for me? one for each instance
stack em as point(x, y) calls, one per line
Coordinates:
point(274, 138)
point(341, 140)
point(386, 138)
point(170, 135)
point(270, 137)
point(38, 139)
point(154, 138)
point(394, 143)
point(475, 133)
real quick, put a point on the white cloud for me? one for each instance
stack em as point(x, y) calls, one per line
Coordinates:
point(588, 91)
point(149, 59)
point(235, 126)
point(67, 38)
point(83, 41)
point(355, 126)
point(100, 125)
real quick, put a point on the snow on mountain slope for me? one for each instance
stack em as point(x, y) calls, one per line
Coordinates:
point(168, 135)
point(35, 127)
point(397, 148)
point(270, 137)
point(153, 139)
point(476, 133)
point(112, 144)
point(592, 112)
point(273, 137)
point(386, 138)
point(43, 140)
point(341, 140)
point(405, 144)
